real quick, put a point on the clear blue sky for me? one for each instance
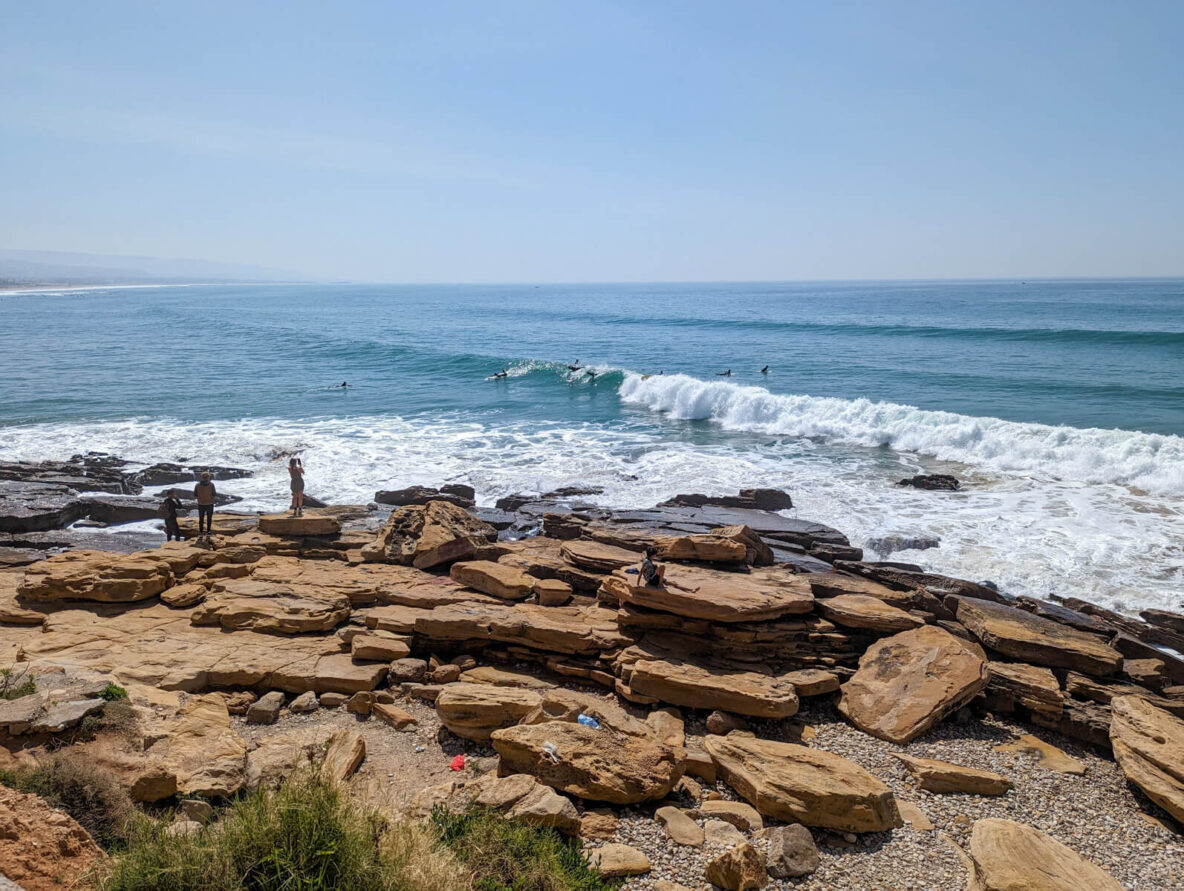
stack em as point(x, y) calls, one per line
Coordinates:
point(575, 141)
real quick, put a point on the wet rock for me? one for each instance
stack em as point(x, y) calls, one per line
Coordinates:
point(167, 474)
point(462, 496)
point(749, 499)
point(1031, 638)
point(933, 482)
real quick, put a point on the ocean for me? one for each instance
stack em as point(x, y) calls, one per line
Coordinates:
point(1059, 404)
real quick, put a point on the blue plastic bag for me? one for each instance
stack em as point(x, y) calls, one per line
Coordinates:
point(589, 721)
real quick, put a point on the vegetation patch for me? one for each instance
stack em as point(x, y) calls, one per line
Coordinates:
point(10, 689)
point(504, 855)
point(112, 692)
point(308, 835)
point(91, 796)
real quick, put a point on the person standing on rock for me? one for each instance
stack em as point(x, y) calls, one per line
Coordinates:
point(296, 472)
point(172, 504)
point(205, 493)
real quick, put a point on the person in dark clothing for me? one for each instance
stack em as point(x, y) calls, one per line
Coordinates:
point(172, 504)
point(653, 575)
point(205, 493)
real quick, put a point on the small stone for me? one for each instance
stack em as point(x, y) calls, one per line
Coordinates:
point(792, 852)
point(395, 716)
point(725, 722)
point(464, 662)
point(598, 823)
point(680, 827)
point(408, 671)
point(616, 860)
point(267, 709)
point(304, 703)
point(360, 703)
point(332, 700)
point(738, 868)
point(239, 701)
point(743, 816)
point(445, 674)
point(719, 834)
point(195, 809)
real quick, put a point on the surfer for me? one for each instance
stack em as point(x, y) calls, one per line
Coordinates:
point(502, 373)
point(727, 373)
point(591, 373)
point(765, 370)
point(653, 575)
point(575, 367)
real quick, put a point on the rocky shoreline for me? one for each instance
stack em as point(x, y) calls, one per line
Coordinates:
point(925, 731)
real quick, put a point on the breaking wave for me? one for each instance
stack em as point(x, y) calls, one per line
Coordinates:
point(1149, 462)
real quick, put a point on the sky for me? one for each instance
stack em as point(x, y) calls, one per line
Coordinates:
point(642, 140)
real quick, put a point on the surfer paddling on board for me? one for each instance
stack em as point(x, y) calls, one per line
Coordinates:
point(575, 367)
point(765, 370)
point(592, 374)
point(727, 373)
point(501, 374)
point(653, 575)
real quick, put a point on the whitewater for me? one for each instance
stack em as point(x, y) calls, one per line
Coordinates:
point(1058, 404)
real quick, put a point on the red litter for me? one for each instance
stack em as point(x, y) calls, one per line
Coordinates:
point(458, 763)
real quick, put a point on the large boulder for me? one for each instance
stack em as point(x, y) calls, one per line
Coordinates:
point(797, 784)
point(703, 547)
point(1022, 635)
point(560, 629)
point(908, 682)
point(270, 607)
point(427, 535)
point(474, 711)
point(686, 684)
point(1148, 745)
point(714, 596)
point(597, 765)
point(97, 576)
point(596, 556)
point(1010, 856)
point(496, 579)
point(864, 611)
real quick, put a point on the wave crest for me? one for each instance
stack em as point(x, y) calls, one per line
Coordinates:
point(1148, 461)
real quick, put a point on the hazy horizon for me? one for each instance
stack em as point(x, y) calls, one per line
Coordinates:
point(609, 142)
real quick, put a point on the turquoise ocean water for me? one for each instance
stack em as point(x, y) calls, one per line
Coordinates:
point(1061, 403)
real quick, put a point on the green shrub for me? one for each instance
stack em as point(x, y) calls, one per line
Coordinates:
point(9, 689)
point(91, 796)
point(113, 692)
point(505, 855)
point(306, 836)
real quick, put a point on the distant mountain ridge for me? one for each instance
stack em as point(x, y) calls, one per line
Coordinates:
point(68, 268)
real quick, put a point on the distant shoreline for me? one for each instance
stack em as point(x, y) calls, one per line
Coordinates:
point(41, 288)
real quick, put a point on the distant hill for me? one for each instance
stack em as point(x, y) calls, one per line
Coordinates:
point(65, 268)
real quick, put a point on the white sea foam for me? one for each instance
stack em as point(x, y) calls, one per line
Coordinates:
point(1029, 532)
point(1150, 462)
